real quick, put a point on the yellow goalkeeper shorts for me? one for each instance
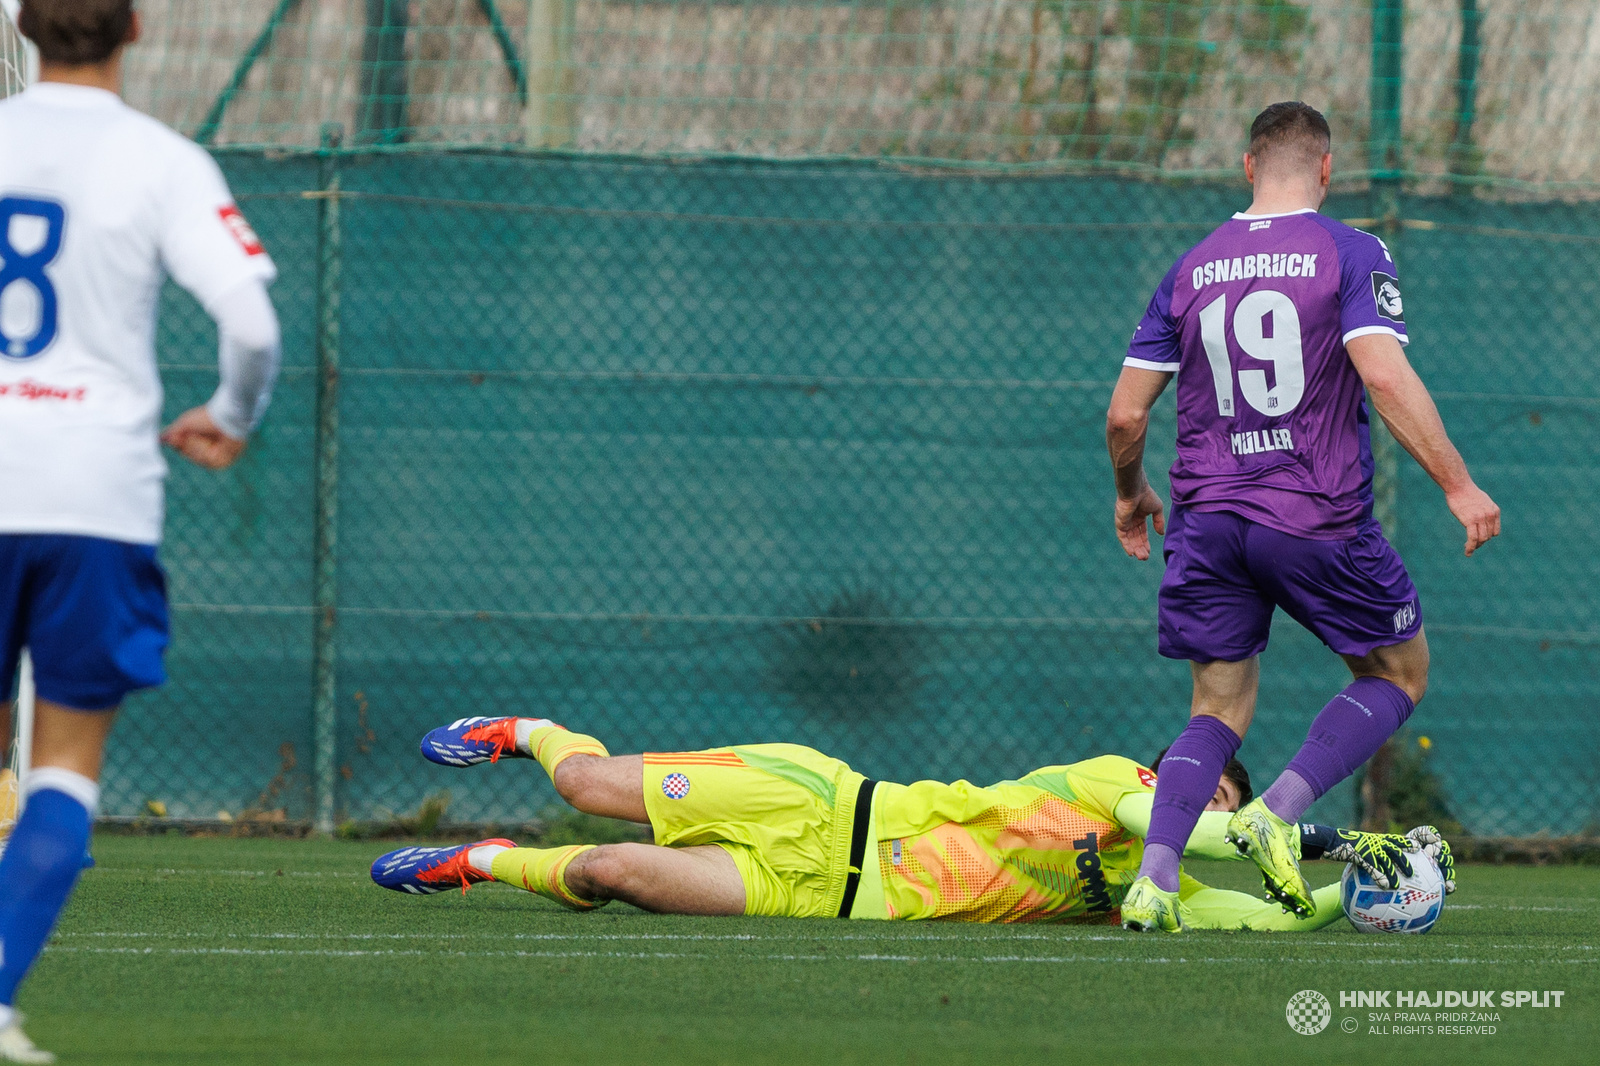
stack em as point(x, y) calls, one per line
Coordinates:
point(783, 812)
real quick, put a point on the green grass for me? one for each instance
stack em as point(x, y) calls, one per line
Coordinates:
point(272, 951)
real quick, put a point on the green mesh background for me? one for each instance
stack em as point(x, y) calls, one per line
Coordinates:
point(745, 380)
point(688, 454)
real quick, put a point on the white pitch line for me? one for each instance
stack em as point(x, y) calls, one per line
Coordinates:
point(1585, 903)
point(229, 873)
point(907, 959)
point(1513, 907)
point(889, 938)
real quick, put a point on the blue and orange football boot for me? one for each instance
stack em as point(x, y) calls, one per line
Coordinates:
point(470, 741)
point(424, 871)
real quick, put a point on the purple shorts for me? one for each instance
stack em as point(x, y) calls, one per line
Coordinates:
point(1225, 574)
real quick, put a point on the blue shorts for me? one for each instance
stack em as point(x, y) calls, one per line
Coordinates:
point(1225, 574)
point(91, 612)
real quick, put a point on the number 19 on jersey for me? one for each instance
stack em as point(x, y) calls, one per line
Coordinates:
point(1266, 326)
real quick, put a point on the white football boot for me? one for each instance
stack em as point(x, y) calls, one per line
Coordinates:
point(16, 1047)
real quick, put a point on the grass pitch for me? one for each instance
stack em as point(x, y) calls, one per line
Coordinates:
point(180, 950)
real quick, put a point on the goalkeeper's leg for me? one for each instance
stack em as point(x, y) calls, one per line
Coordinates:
point(611, 786)
point(583, 771)
point(696, 880)
point(699, 880)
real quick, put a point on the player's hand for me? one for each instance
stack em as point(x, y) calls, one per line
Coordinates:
point(1477, 512)
point(1427, 839)
point(196, 437)
point(1382, 856)
point(1131, 530)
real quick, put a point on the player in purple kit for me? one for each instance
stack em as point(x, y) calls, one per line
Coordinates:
point(1273, 325)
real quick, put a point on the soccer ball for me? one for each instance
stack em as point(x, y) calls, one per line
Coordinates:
point(1411, 907)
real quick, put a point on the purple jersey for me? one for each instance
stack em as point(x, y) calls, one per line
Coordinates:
point(1272, 416)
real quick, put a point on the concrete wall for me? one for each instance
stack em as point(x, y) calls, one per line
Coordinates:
point(1001, 80)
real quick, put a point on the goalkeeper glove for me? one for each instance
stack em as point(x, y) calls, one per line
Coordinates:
point(1382, 856)
point(1427, 839)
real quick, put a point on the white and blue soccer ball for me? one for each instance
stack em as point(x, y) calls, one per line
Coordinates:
point(1412, 906)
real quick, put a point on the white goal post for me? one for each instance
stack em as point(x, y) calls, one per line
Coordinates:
point(19, 65)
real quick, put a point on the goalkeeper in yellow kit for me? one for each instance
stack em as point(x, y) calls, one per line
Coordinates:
point(781, 829)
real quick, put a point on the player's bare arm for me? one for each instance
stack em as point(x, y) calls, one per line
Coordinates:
point(198, 439)
point(1402, 400)
point(248, 355)
point(1127, 423)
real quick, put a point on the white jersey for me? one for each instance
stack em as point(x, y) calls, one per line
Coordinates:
point(98, 204)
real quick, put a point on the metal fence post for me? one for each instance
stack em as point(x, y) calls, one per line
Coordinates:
point(382, 112)
point(547, 59)
point(1463, 157)
point(324, 585)
point(1384, 148)
point(1386, 163)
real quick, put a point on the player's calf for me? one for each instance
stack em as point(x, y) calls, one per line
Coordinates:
point(610, 786)
point(702, 880)
point(1404, 665)
point(697, 880)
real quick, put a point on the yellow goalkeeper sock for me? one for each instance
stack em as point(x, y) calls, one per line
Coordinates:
point(543, 870)
point(552, 744)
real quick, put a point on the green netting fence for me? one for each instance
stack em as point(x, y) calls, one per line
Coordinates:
point(701, 373)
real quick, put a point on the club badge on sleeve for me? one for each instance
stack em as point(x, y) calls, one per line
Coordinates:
point(241, 229)
point(1386, 293)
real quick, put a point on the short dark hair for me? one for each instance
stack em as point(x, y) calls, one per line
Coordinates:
point(75, 32)
point(1234, 772)
point(1290, 129)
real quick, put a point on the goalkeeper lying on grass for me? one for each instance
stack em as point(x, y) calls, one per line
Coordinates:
point(780, 829)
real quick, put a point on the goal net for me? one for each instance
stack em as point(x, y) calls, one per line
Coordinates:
point(14, 58)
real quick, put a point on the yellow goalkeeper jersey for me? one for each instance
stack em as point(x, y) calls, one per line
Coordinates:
point(1042, 849)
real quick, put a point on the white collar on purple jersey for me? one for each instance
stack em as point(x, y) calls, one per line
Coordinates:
point(1281, 214)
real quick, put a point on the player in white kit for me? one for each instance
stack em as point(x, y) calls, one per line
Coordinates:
point(98, 204)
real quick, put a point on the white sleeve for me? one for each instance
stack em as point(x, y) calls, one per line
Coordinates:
point(206, 244)
point(248, 356)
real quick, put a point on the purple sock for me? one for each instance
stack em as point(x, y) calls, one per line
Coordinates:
point(1185, 782)
point(1289, 796)
point(1348, 732)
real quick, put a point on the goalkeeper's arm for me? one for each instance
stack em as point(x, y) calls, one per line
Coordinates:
point(1208, 841)
point(1382, 855)
point(1218, 908)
